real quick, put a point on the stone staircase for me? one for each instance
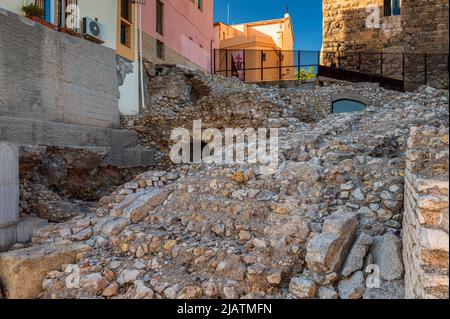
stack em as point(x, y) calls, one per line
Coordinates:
point(122, 145)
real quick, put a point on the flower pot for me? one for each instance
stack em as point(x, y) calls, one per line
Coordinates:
point(40, 21)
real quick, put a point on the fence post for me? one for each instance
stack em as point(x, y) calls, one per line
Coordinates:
point(244, 63)
point(403, 68)
point(226, 63)
point(381, 63)
point(280, 55)
point(381, 71)
point(359, 65)
point(425, 68)
point(299, 64)
point(213, 67)
point(318, 60)
point(359, 62)
point(262, 65)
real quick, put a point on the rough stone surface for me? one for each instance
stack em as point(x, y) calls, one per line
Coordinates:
point(229, 231)
point(353, 287)
point(387, 254)
point(326, 251)
point(352, 26)
point(425, 222)
point(9, 193)
point(302, 288)
point(387, 290)
point(22, 271)
point(355, 259)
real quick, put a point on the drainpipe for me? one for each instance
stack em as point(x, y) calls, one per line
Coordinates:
point(141, 69)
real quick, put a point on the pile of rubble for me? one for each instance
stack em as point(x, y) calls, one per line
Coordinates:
point(59, 183)
point(312, 229)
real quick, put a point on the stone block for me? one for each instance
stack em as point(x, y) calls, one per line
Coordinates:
point(9, 193)
point(22, 271)
point(327, 251)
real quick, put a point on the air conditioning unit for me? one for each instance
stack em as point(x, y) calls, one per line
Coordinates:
point(92, 28)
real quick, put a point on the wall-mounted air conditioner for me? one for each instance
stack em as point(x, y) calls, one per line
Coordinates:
point(92, 28)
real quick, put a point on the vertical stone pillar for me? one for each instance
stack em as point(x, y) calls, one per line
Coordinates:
point(425, 220)
point(9, 193)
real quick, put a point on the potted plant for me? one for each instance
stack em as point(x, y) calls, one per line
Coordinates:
point(36, 14)
point(33, 10)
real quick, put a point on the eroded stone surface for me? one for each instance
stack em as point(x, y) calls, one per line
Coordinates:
point(230, 231)
point(22, 271)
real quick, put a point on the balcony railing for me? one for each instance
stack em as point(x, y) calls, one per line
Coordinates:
point(392, 70)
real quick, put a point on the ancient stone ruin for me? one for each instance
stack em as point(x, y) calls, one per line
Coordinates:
point(357, 208)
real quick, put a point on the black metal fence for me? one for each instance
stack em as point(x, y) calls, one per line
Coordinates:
point(389, 69)
point(405, 67)
point(265, 65)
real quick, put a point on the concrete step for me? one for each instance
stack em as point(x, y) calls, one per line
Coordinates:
point(126, 158)
point(121, 145)
point(36, 132)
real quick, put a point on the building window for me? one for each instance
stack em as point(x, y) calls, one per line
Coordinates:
point(57, 11)
point(126, 30)
point(159, 17)
point(160, 50)
point(392, 7)
point(200, 4)
point(125, 34)
point(125, 10)
point(125, 23)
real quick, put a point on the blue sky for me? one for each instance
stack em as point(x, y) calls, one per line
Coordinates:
point(306, 16)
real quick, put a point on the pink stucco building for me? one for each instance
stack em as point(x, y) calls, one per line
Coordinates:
point(179, 31)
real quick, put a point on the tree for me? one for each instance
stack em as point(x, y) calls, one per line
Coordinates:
point(306, 74)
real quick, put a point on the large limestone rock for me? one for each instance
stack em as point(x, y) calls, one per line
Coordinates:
point(327, 251)
point(355, 259)
point(387, 254)
point(353, 287)
point(137, 206)
point(22, 271)
point(387, 290)
point(302, 287)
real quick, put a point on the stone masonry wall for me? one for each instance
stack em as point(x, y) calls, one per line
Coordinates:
point(421, 28)
point(425, 223)
point(50, 76)
point(425, 26)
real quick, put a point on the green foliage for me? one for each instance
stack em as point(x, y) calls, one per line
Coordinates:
point(305, 74)
point(33, 10)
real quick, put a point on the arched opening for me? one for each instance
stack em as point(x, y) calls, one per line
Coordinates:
point(347, 105)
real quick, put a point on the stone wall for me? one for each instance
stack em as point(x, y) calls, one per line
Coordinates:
point(425, 223)
point(421, 28)
point(425, 26)
point(50, 76)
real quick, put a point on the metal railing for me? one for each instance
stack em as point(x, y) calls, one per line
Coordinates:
point(264, 65)
point(390, 69)
point(405, 67)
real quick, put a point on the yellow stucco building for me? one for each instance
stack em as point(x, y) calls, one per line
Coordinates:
point(256, 51)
